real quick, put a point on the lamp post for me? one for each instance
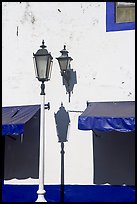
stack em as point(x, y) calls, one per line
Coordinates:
point(43, 65)
point(64, 63)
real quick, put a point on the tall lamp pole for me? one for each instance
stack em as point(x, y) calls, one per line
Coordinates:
point(43, 65)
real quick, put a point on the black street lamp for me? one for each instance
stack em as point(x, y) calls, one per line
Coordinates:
point(43, 65)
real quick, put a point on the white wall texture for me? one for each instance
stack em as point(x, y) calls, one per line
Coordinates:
point(106, 56)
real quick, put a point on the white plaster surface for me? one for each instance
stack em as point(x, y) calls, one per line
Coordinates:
point(106, 56)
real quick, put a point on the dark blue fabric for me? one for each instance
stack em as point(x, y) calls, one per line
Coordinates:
point(14, 118)
point(106, 124)
point(72, 193)
point(107, 116)
point(12, 129)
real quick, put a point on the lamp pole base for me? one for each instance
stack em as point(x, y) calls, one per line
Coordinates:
point(41, 197)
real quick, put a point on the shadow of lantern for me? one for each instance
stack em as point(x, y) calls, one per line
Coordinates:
point(62, 123)
point(69, 80)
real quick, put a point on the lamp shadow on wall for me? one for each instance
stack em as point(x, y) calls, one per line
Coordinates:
point(69, 79)
point(62, 121)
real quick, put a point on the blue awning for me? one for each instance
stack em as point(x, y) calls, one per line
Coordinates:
point(14, 118)
point(107, 116)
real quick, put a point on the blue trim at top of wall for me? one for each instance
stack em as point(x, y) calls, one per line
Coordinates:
point(110, 20)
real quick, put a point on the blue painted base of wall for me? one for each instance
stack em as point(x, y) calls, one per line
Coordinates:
point(72, 193)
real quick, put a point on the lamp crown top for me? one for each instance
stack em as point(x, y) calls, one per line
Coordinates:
point(43, 46)
point(64, 51)
point(42, 51)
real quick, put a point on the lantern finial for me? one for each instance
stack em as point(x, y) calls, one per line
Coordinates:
point(43, 46)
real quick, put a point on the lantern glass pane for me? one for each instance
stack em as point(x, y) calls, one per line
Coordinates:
point(36, 73)
point(69, 60)
point(41, 65)
point(51, 64)
point(63, 63)
point(49, 68)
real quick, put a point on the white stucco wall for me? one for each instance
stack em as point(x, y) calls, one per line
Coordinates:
point(106, 56)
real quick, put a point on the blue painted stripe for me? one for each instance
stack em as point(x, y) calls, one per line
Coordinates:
point(72, 193)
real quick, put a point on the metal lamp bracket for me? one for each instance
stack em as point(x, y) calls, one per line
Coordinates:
point(47, 106)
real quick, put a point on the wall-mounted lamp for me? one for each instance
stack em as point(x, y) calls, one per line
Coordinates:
point(64, 63)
